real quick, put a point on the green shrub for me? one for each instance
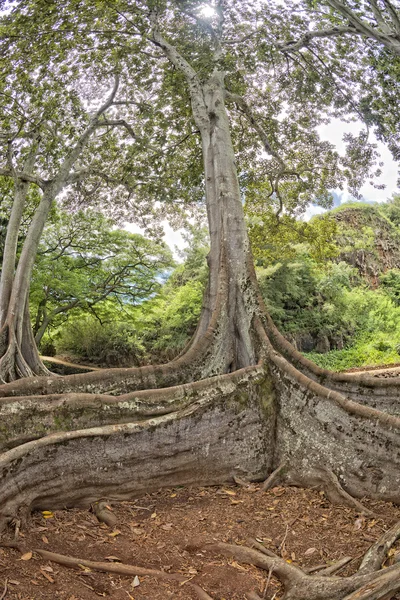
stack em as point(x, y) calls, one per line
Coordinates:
point(109, 344)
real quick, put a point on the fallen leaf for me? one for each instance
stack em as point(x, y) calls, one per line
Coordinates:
point(173, 495)
point(229, 492)
point(167, 526)
point(135, 582)
point(153, 515)
point(26, 556)
point(113, 558)
point(44, 539)
point(48, 569)
point(236, 501)
point(114, 533)
point(310, 551)
point(14, 582)
point(47, 514)
point(359, 523)
point(278, 491)
point(138, 531)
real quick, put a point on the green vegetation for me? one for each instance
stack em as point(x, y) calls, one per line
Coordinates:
point(337, 301)
point(328, 298)
point(344, 312)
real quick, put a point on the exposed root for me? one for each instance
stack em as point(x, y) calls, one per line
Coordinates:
point(104, 514)
point(201, 594)
point(369, 583)
point(337, 495)
point(381, 588)
point(335, 568)
point(254, 544)
point(332, 569)
point(377, 554)
point(119, 568)
point(326, 481)
point(273, 478)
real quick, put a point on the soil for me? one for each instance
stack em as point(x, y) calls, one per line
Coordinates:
point(166, 530)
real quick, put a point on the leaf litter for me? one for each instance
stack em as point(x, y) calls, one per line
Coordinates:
point(300, 525)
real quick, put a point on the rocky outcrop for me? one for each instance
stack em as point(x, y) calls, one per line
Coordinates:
point(368, 241)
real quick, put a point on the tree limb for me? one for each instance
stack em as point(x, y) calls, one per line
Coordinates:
point(310, 35)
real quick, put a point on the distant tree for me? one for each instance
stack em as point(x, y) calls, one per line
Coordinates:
point(83, 262)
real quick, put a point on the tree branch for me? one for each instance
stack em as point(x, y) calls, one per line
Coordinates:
point(363, 28)
point(23, 177)
point(310, 35)
point(196, 92)
point(246, 109)
point(117, 123)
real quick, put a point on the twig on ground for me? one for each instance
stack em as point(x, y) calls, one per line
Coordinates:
point(271, 570)
point(282, 544)
point(3, 595)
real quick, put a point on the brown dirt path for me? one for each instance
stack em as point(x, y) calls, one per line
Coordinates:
point(156, 531)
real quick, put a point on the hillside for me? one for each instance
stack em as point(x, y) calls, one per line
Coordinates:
point(367, 240)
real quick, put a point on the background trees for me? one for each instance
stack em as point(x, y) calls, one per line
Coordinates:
point(83, 263)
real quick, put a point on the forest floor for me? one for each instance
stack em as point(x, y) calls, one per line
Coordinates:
point(165, 531)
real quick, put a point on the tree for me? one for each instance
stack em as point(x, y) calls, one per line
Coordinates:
point(19, 356)
point(82, 263)
point(240, 400)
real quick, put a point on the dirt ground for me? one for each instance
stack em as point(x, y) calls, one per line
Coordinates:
point(163, 530)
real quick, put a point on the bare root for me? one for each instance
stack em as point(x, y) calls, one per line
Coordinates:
point(370, 582)
point(104, 514)
point(377, 554)
point(273, 478)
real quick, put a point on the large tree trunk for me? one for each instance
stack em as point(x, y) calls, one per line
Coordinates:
point(18, 351)
point(239, 402)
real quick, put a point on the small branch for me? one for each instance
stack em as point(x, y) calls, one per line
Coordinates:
point(117, 123)
point(393, 15)
point(248, 112)
point(305, 40)
point(268, 581)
